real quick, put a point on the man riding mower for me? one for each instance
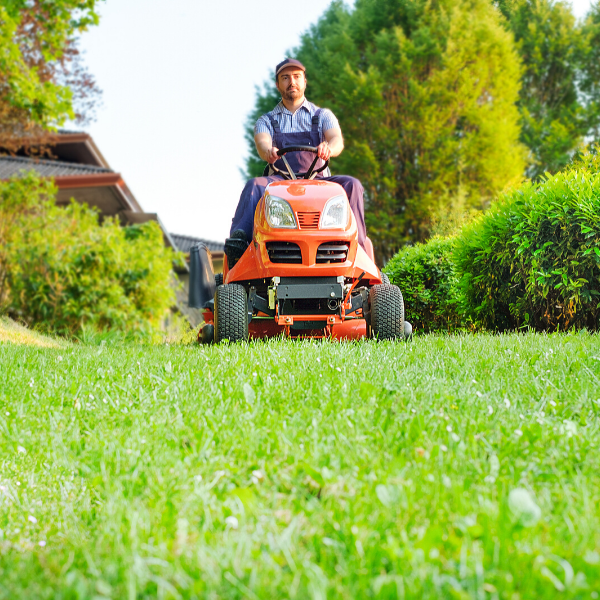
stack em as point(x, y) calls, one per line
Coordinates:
point(298, 260)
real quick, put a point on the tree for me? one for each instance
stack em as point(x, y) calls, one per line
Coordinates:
point(42, 81)
point(590, 80)
point(425, 93)
point(559, 93)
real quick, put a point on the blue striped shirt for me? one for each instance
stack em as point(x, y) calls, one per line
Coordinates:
point(301, 120)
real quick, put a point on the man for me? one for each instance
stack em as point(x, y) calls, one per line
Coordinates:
point(294, 121)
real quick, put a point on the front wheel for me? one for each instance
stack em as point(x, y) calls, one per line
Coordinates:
point(386, 310)
point(231, 313)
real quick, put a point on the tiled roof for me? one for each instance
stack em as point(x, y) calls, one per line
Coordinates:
point(185, 242)
point(12, 165)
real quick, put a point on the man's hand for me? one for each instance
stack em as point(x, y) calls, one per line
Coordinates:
point(265, 148)
point(271, 155)
point(324, 151)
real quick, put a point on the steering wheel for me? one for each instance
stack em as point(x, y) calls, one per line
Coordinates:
point(310, 174)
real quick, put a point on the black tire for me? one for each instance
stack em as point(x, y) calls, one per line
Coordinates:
point(219, 279)
point(384, 278)
point(231, 313)
point(207, 334)
point(386, 310)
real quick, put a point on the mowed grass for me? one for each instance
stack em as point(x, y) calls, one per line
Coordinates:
point(451, 467)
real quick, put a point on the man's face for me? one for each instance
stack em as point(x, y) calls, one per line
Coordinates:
point(291, 83)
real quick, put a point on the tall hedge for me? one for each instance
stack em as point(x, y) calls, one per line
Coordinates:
point(534, 258)
point(62, 270)
point(427, 276)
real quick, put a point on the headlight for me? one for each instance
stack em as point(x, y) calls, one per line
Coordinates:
point(335, 215)
point(279, 213)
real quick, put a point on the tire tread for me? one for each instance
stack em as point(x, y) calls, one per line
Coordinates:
point(387, 312)
point(231, 313)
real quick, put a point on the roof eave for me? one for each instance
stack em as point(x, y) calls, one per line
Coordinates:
point(85, 138)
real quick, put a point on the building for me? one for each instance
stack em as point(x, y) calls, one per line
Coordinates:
point(80, 171)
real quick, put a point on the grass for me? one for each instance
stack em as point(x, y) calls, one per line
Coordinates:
point(452, 467)
point(14, 333)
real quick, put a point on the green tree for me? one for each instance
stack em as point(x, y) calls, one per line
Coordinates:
point(42, 81)
point(425, 93)
point(590, 80)
point(559, 93)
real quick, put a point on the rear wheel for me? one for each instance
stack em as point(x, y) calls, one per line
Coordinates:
point(218, 279)
point(386, 310)
point(231, 313)
point(384, 278)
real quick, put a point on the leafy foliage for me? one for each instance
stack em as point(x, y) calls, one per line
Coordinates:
point(590, 78)
point(427, 277)
point(559, 98)
point(425, 93)
point(534, 258)
point(18, 197)
point(42, 81)
point(64, 272)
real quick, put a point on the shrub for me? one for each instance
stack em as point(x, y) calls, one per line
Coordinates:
point(427, 277)
point(18, 196)
point(534, 258)
point(65, 272)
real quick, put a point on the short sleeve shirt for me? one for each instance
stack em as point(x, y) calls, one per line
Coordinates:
point(301, 120)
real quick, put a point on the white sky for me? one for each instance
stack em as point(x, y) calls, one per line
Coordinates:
point(178, 82)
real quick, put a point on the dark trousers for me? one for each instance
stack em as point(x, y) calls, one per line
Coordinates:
point(255, 188)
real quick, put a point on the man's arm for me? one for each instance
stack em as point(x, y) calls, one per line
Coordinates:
point(265, 148)
point(333, 144)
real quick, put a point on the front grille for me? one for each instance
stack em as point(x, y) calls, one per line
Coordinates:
point(332, 252)
point(284, 252)
point(308, 220)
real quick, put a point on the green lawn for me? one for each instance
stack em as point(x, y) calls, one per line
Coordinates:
point(452, 467)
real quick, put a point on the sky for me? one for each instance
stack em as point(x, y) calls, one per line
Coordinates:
point(179, 80)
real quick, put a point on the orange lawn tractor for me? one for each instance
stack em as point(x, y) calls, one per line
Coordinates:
point(303, 274)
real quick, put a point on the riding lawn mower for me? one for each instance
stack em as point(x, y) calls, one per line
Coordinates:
point(303, 275)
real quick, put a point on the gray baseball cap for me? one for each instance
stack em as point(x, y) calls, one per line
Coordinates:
point(289, 62)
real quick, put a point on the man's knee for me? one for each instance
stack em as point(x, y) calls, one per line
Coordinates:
point(255, 185)
point(355, 183)
point(349, 183)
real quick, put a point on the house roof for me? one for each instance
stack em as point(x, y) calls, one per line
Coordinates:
point(78, 147)
point(80, 171)
point(185, 242)
point(65, 146)
point(13, 165)
point(95, 185)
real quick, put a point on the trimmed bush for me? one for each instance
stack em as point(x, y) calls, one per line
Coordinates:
point(534, 258)
point(64, 272)
point(427, 277)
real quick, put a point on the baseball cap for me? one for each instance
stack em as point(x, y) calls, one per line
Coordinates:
point(289, 62)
